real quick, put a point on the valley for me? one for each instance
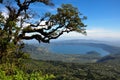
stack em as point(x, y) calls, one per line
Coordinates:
point(71, 51)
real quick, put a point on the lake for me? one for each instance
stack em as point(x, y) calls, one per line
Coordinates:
point(75, 49)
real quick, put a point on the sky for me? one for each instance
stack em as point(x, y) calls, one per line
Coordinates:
point(103, 18)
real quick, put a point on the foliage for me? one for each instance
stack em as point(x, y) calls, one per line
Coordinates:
point(75, 71)
point(11, 72)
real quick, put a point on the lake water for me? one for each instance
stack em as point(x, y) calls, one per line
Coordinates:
point(75, 49)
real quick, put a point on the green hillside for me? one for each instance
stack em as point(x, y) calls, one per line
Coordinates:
point(75, 71)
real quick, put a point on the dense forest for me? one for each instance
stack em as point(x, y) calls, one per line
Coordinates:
point(76, 71)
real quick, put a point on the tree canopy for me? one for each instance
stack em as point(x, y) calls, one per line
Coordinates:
point(18, 21)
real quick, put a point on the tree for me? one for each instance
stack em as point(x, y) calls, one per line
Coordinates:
point(18, 22)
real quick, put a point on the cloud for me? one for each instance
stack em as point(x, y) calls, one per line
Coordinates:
point(95, 33)
point(103, 33)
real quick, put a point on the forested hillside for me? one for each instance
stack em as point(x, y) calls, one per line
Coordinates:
point(75, 71)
